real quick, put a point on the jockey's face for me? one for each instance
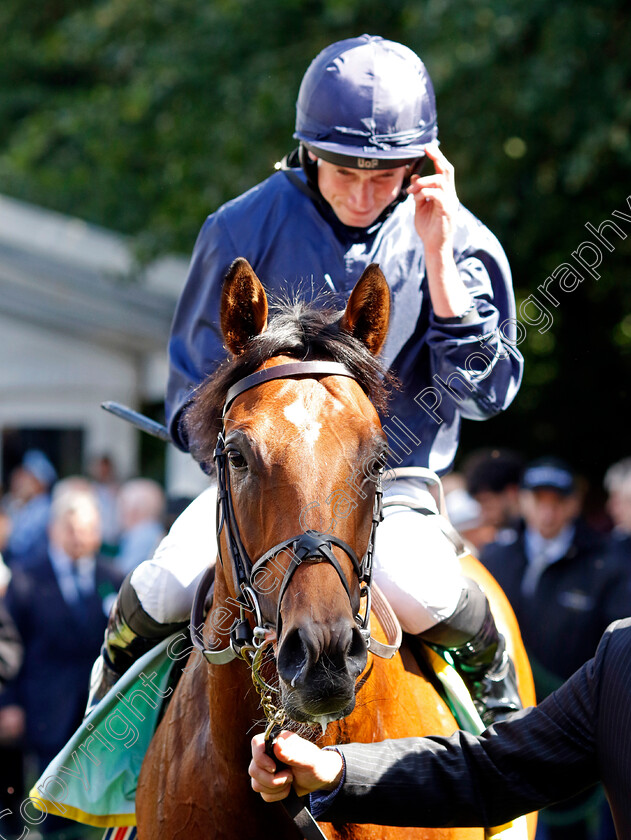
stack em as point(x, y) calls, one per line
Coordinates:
point(358, 197)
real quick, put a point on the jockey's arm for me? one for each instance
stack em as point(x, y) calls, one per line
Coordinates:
point(435, 221)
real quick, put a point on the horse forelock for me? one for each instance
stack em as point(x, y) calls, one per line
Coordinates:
point(297, 329)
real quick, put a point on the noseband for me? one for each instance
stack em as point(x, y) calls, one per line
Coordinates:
point(313, 546)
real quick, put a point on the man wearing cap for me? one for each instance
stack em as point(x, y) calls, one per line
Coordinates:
point(556, 573)
point(29, 507)
point(565, 590)
point(351, 195)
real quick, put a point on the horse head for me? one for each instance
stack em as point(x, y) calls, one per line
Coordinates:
point(302, 450)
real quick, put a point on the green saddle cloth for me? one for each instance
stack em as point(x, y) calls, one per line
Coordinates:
point(93, 779)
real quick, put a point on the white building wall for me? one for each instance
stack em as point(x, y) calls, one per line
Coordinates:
point(184, 478)
point(50, 380)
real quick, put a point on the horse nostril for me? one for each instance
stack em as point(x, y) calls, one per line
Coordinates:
point(357, 652)
point(305, 653)
point(292, 657)
point(340, 645)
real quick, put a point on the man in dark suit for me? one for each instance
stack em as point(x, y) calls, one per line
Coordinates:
point(59, 603)
point(565, 589)
point(558, 568)
point(577, 736)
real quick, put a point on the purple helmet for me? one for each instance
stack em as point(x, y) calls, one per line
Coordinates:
point(366, 103)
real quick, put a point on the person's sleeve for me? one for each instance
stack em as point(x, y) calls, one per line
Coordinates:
point(196, 344)
point(542, 755)
point(320, 800)
point(476, 357)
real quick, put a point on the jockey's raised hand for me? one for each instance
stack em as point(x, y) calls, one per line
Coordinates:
point(310, 768)
point(436, 202)
point(435, 222)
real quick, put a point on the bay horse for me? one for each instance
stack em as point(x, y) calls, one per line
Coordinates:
point(290, 437)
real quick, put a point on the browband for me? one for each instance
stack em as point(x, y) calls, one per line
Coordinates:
point(287, 371)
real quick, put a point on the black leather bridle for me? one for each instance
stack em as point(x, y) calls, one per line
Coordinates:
point(310, 545)
point(246, 642)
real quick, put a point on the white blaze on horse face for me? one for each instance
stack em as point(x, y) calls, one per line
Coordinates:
point(299, 415)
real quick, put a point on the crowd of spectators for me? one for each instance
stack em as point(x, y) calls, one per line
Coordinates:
point(65, 547)
point(565, 577)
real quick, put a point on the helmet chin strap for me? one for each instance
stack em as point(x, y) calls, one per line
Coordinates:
point(309, 167)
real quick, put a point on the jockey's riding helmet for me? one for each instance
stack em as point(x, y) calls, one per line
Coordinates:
point(366, 103)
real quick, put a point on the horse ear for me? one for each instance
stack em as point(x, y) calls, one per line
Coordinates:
point(367, 312)
point(243, 309)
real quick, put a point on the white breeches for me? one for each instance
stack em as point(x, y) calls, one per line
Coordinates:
point(415, 564)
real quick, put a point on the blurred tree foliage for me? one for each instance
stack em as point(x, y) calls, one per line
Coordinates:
point(144, 117)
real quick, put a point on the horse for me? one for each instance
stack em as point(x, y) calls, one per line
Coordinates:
point(300, 400)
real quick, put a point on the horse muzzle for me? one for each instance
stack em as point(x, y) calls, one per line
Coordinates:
point(318, 666)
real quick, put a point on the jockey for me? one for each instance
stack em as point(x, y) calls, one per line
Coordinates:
point(351, 195)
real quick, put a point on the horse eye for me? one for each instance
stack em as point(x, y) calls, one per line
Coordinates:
point(236, 459)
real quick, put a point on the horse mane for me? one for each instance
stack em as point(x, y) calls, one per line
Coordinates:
point(301, 330)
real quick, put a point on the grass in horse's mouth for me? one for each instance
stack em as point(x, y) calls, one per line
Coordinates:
point(311, 730)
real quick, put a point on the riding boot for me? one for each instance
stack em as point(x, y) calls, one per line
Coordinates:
point(130, 633)
point(479, 654)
